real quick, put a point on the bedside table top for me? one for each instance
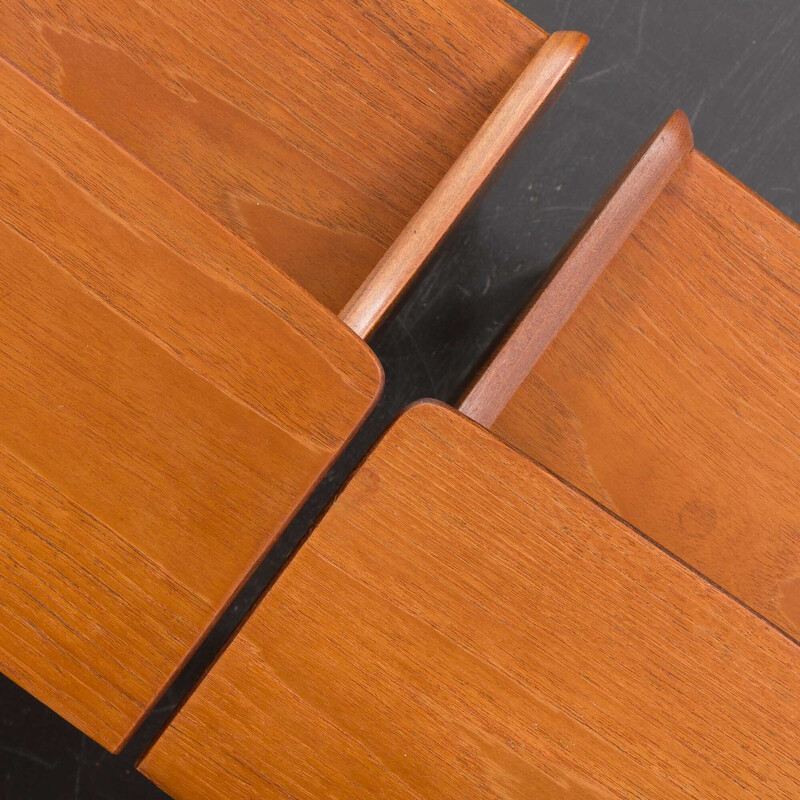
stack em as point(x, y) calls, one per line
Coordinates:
point(168, 401)
point(463, 624)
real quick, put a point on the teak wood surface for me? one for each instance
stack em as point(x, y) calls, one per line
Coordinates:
point(659, 372)
point(462, 624)
point(168, 399)
point(314, 130)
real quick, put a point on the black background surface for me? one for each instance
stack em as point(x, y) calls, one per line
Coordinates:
point(732, 65)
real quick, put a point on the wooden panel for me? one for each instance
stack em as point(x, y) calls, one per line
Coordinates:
point(168, 399)
point(313, 129)
point(672, 394)
point(462, 624)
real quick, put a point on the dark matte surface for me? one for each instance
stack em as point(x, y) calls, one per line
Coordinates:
point(732, 65)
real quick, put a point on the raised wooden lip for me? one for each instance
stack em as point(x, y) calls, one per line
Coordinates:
point(585, 258)
point(538, 85)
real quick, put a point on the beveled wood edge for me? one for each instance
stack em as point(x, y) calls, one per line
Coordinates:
point(585, 258)
point(538, 85)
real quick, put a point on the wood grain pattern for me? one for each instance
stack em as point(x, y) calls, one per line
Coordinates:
point(313, 130)
point(462, 624)
point(672, 394)
point(537, 87)
point(168, 399)
point(588, 254)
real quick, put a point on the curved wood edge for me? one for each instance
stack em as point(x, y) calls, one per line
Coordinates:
point(537, 86)
point(584, 259)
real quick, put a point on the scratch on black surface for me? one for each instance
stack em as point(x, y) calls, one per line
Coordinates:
point(30, 756)
point(640, 29)
point(565, 17)
point(598, 74)
point(79, 769)
point(422, 360)
point(609, 14)
point(698, 108)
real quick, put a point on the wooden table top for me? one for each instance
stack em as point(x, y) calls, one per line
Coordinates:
point(672, 393)
point(168, 400)
point(314, 130)
point(462, 624)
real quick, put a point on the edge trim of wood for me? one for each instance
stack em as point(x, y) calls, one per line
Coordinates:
point(535, 89)
point(585, 258)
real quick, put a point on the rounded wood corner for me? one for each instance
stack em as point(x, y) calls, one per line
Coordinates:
point(565, 47)
point(677, 132)
point(575, 272)
point(424, 408)
point(655, 162)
